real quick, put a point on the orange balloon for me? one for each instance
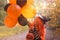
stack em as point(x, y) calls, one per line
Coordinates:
point(30, 1)
point(28, 11)
point(10, 22)
point(12, 1)
point(14, 11)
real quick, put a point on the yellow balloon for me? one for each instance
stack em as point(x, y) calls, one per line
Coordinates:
point(30, 1)
point(28, 11)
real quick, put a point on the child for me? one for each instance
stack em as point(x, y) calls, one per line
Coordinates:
point(36, 28)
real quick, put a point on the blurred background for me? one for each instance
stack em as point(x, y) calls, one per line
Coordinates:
point(48, 8)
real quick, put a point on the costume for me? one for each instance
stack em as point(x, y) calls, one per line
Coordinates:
point(36, 30)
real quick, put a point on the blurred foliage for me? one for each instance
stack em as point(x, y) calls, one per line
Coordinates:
point(55, 22)
point(2, 12)
point(49, 8)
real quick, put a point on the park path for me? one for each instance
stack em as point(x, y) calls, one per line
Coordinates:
point(51, 34)
point(20, 36)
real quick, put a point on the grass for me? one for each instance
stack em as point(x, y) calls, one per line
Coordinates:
point(4, 31)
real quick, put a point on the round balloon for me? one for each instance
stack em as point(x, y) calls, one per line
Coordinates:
point(28, 11)
point(21, 3)
point(10, 22)
point(30, 1)
point(14, 11)
point(12, 1)
point(22, 20)
point(6, 6)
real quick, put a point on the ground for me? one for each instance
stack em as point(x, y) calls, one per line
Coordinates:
point(51, 34)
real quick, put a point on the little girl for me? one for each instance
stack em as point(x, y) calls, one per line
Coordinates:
point(36, 28)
